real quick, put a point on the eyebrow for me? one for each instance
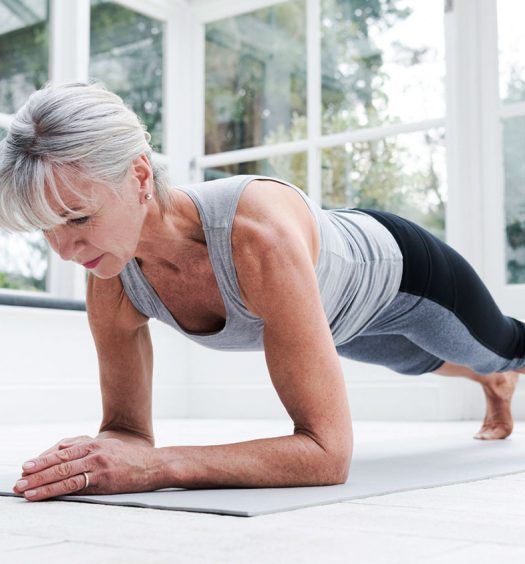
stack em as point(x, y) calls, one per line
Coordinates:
point(65, 214)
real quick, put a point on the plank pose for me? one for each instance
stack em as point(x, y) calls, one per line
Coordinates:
point(240, 263)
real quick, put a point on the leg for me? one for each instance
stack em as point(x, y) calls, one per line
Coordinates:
point(393, 351)
point(498, 388)
point(454, 317)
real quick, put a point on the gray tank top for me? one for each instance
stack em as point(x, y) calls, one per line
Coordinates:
point(358, 271)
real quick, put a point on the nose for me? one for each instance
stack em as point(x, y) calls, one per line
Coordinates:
point(65, 243)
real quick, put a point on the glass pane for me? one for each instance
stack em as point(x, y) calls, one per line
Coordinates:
point(126, 55)
point(291, 168)
point(23, 51)
point(405, 175)
point(23, 258)
point(23, 261)
point(513, 143)
point(256, 78)
point(382, 62)
point(511, 50)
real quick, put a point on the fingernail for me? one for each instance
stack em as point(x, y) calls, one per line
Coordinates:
point(22, 483)
point(30, 493)
point(28, 465)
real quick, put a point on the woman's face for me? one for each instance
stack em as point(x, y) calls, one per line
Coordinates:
point(109, 227)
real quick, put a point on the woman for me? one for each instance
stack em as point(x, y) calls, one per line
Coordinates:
point(242, 263)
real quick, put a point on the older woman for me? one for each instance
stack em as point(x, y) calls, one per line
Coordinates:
point(241, 263)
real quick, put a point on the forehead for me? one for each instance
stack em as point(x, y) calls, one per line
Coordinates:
point(74, 193)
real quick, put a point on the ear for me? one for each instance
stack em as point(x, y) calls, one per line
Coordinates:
point(142, 171)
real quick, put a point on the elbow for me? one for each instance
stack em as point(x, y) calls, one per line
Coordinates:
point(333, 471)
point(342, 469)
point(335, 468)
point(340, 459)
point(333, 463)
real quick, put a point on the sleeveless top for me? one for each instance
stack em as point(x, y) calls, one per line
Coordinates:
point(359, 268)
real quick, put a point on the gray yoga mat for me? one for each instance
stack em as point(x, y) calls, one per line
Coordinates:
point(377, 469)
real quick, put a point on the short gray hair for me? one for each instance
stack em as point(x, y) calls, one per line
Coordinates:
point(71, 131)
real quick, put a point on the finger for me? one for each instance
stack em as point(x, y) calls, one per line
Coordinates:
point(53, 458)
point(52, 449)
point(65, 443)
point(55, 468)
point(66, 486)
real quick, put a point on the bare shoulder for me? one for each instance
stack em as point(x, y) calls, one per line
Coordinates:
point(273, 231)
point(272, 208)
point(108, 304)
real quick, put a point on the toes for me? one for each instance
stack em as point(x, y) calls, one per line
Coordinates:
point(493, 434)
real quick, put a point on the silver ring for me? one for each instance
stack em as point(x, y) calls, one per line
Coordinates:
point(87, 480)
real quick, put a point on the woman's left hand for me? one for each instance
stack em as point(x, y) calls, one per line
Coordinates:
point(113, 466)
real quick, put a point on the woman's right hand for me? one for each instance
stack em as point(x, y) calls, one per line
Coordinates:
point(63, 443)
point(70, 441)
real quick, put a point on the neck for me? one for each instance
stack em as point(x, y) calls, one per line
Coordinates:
point(163, 239)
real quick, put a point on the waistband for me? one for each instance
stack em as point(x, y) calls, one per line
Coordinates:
point(426, 270)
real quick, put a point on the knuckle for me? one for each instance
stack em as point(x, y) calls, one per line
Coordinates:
point(90, 447)
point(64, 469)
point(63, 455)
point(44, 491)
point(73, 484)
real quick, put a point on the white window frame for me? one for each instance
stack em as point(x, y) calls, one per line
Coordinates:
point(213, 10)
point(475, 223)
point(69, 61)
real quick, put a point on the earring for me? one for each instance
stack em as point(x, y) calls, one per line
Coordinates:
point(148, 196)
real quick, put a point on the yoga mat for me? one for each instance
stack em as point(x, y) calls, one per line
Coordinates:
point(377, 469)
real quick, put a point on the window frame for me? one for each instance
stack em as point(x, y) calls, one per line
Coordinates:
point(475, 213)
point(69, 61)
point(208, 11)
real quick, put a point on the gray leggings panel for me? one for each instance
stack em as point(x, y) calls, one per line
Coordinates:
point(414, 335)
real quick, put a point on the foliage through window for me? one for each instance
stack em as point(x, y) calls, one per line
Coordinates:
point(126, 55)
point(256, 78)
point(24, 41)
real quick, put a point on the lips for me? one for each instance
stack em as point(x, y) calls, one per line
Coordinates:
point(93, 263)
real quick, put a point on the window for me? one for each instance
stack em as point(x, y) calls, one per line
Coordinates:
point(288, 167)
point(23, 261)
point(383, 64)
point(126, 55)
point(512, 98)
point(382, 67)
point(403, 174)
point(24, 38)
point(256, 78)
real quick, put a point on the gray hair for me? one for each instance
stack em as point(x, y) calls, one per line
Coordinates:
point(71, 131)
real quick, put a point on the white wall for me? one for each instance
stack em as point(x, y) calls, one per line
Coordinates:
point(49, 373)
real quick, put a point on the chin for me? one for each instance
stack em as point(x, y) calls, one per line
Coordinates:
point(107, 271)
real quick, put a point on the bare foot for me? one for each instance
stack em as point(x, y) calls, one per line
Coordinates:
point(499, 388)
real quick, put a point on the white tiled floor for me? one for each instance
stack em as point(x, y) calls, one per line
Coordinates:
point(479, 522)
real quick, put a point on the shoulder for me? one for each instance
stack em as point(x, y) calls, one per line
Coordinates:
point(273, 233)
point(268, 209)
point(107, 304)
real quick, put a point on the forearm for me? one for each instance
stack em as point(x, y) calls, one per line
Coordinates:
point(295, 460)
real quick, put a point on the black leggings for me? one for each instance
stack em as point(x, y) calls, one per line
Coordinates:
point(442, 312)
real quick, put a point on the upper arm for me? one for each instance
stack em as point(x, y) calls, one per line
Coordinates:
point(275, 270)
point(125, 357)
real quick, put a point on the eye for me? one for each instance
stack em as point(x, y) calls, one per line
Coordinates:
point(79, 220)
